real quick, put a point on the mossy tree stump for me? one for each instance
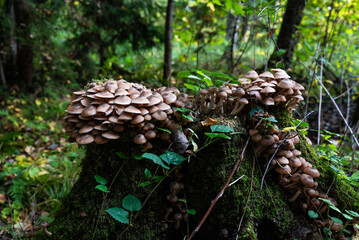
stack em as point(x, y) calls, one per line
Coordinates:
point(83, 216)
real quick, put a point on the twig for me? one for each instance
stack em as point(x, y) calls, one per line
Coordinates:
point(320, 102)
point(219, 195)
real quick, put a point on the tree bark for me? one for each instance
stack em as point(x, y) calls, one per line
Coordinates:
point(287, 35)
point(168, 44)
point(82, 214)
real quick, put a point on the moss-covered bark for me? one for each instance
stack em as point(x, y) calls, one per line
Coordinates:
point(204, 175)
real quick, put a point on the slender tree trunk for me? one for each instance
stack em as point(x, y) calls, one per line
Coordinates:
point(168, 43)
point(287, 35)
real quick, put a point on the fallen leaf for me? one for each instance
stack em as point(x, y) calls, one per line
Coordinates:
point(209, 122)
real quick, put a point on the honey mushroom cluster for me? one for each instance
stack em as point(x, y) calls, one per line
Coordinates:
point(295, 173)
point(266, 88)
point(107, 109)
point(177, 211)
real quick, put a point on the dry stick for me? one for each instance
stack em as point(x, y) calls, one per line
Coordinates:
point(214, 201)
point(336, 106)
point(267, 167)
point(320, 101)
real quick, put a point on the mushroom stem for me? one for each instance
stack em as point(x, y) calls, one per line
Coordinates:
point(292, 199)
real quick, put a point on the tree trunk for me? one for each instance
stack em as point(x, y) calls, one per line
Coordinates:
point(168, 44)
point(83, 216)
point(287, 34)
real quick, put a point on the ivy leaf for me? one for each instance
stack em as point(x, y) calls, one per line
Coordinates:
point(347, 216)
point(121, 155)
point(131, 203)
point(158, 178)
point(221, 129)
point(191, 211)
point(119, 214)
point(217, 135)
point(100, 180)
point(144, 184)
point(148, 174)
point(336, 220)
point(354, 214)
point(312, 214)
point(254, 110)
point(327, 201)
point(172, 158)
point(102, 188)
point(156, 159)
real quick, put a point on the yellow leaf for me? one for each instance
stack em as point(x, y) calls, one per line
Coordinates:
point(288, 129)
point(209, 122)
point(210, 5)
point(37, 102)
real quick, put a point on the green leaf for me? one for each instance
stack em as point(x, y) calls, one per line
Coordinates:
point(327, 201)
point(164, 130)
point(172, 158)
point(188, 117)
point(354, 214)
point(192, 87)
point(347, 216)
point(191, 211)
point(184, 74)
point(193, 77)
point(121, 155)
point(182, 110)
point(254, 110)
point(148, 174)
point(102, 188)
point(312, 214)
point(158, 178)
point(336, 220)
point(355, 176)
point(221, 75)
point(119, 214)
point(238, 9)
point(144, 184)
point(221, 129)
point(156, 159)
point(131, 203)
point(136, 155)
point(335, 208)
point(228, 4)
point(33, 172)
point(217, 135)
point(100, 180)
point(303, 124)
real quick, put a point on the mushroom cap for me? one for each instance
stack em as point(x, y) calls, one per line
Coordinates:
point(268, 101)
point(88, 111)
point(137, 119)
point(159, 115)
point(285, 83)
point(282, 160)
point(140, 100)
point(280, 75)
point(110, 135)
point(123, 100)
point(177, 216)
point(312, 172)
point(203, 92)
point(104, 94)
point(140, 139)
point(251, 74)
point(100, 140)
point(85, 129)
point(76, 108)
point(169, 98)
point(295, 162)
point(132, 109)
point(266, 74)
point(267, 140)
point(285, 169)
point(84, 139)
point(150, 134)
point(307, 180)
point(268, 89)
